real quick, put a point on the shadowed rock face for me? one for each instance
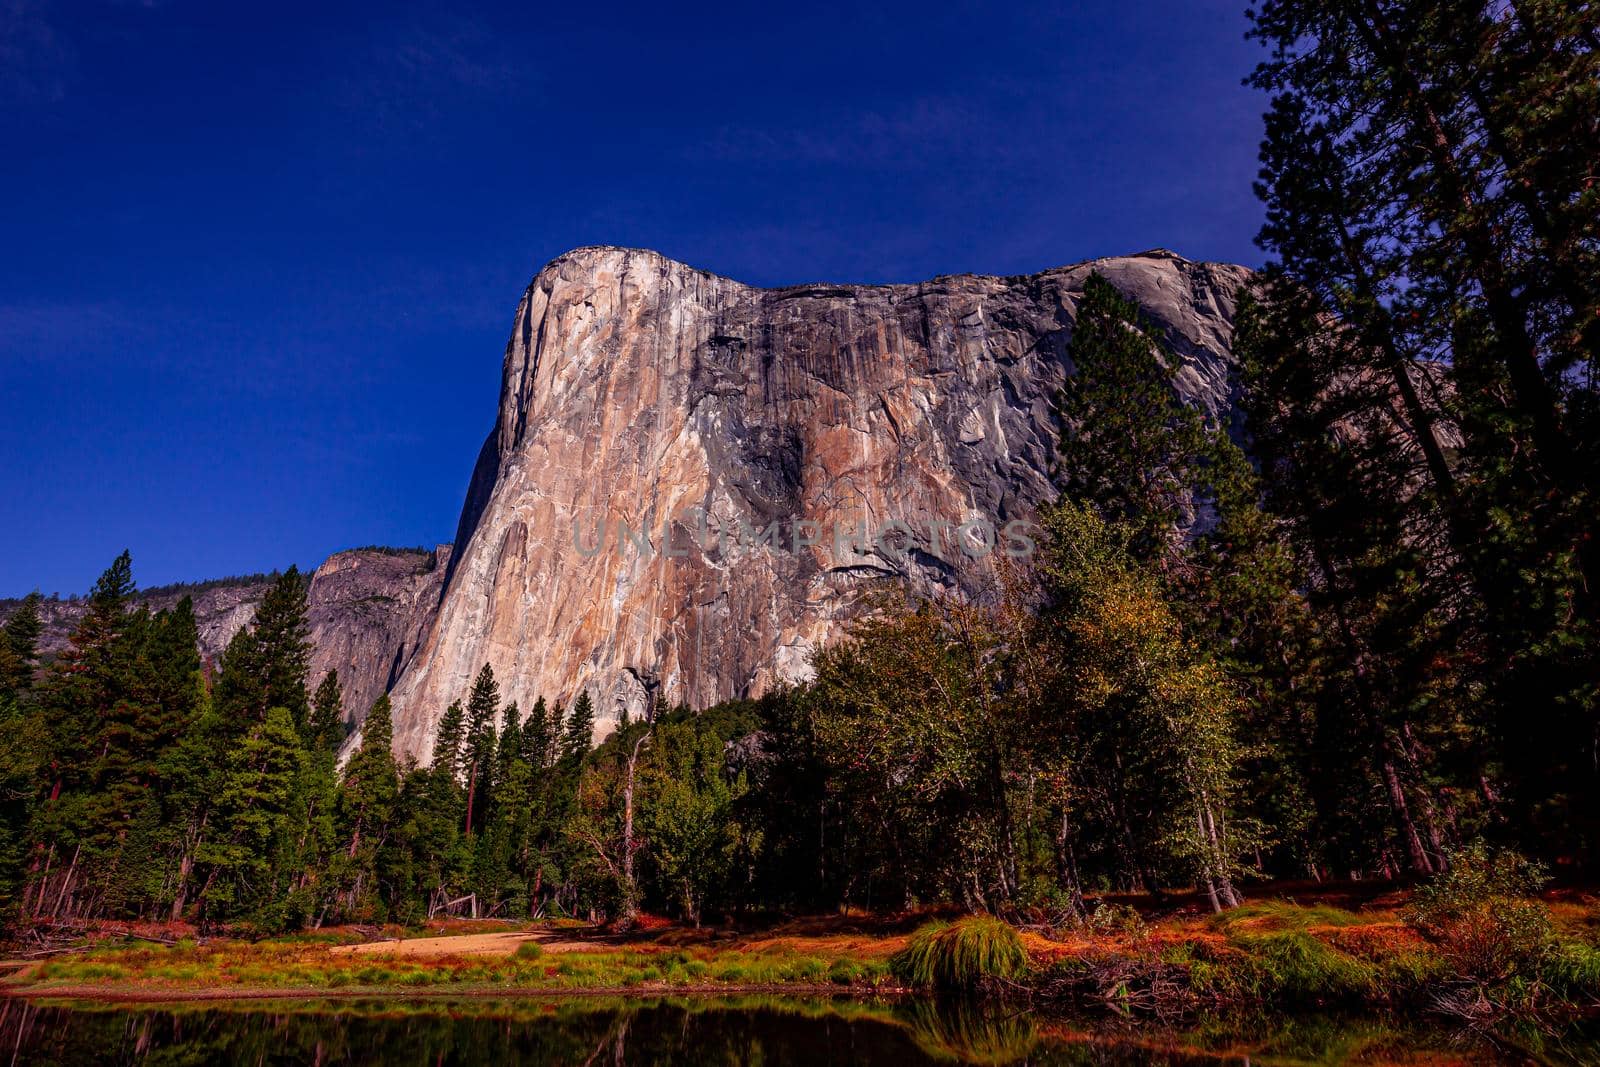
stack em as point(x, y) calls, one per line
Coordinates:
point(639, 391)
point(368, 611)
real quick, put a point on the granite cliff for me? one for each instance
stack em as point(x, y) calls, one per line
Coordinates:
point(690, 480)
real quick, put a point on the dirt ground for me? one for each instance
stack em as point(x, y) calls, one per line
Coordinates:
point(499, 943)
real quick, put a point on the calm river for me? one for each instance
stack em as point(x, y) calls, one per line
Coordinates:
point(769, 1031)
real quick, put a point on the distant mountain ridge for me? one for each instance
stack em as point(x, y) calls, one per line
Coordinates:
point(368, 610)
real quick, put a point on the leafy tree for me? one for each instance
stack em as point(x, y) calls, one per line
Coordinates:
point(1144, 700)
point(910, 718)
point(688, 815)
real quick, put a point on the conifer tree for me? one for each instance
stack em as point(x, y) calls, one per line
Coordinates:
point(1429, 181)
point(578, 734)
point(509, 744)
point(478, 748)
point(326, 727)
point(537, 736)
point(367, 802)
point(255, 800)
point(19, 652)
point(1129, 446)
point(448, 741)
point(283, 635)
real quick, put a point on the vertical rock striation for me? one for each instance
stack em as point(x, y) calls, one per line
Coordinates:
point(656, 420)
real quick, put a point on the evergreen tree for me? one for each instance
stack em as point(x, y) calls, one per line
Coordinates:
point(366, 805)
point(448, 741)
point(1129, 445)
point(577, 737)
point(19, 652)
point(265, 664)
point(326, 727)
point(538, 736)
point(510, 743)
point(1428, 177)
point(283, 635)
point(478, 748)
point(254, 803)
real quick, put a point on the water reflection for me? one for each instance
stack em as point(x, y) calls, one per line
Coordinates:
point(773, 1031)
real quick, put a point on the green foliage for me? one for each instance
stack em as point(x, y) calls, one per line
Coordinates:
point(1143, 697)
point(1484, 917)
point(326, 728)
point(1420, 383)
point(579, 729)
point(1129, 446)
point(961, 955)
point(688, 816)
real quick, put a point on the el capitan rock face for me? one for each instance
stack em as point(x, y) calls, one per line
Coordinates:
point(640, 391)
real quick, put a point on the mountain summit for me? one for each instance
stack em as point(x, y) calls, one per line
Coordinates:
point(692, 482)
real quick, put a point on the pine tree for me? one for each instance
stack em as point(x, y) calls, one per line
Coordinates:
point(366, 804)
point(83, 703)
point(1429, 181)
point(326, 727)
point(578, 735)
point(240, 694)
point(1129, 446)
point(479, 746)
point(448, 741)
point(283, 635)
point(255, 801)
point(510, 742)
point(19, 652)
point(537, 736)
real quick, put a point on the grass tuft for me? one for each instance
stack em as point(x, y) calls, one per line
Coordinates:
point(961, 955)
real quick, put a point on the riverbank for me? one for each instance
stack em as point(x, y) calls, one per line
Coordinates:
point(1357, 951)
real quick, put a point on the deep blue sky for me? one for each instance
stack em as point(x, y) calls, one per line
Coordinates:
point(259, 262)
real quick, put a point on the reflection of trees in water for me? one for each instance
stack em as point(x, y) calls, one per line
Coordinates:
point(775, 1031)
point(581, 1031)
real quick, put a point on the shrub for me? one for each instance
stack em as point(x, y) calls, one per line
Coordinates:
point(961, 955)
point(1114, 919)
point(1482, 918)
point(528, 950)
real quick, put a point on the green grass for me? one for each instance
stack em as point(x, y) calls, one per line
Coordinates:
point(1282, 915)
point(961, 955)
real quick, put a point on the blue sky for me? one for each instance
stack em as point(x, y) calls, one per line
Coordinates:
point(260, 262)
